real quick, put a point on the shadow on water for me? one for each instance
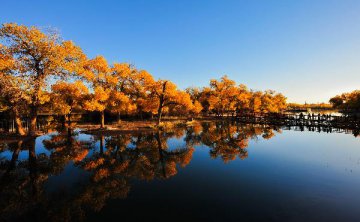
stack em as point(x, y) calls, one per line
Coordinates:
point(69, 176)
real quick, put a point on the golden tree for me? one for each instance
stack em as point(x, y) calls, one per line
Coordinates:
point(112, 87)
point(38, 56)
point(224, 94)
point(243, 99)
point(97, 72)
point(139, 82)
point(255, 102)
point(347, 101)
point(280, 102)
point(12, 89)
point(195, 95)
point(121, 95)
point(67, 97)
point(165, 94)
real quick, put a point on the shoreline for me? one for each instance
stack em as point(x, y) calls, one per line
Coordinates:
point(146, 126)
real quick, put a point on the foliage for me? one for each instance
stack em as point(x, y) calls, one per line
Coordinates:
point(347, 101)
point(224, 97)
point(41, 72)
point(68, 96)
point(36, 56)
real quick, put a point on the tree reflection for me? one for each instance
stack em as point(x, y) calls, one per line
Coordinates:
point(228, 141)
point(109, 169)
point(21, 180)
point(145, 156)
point(107, 165)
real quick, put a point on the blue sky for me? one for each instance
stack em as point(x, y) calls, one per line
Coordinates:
point(307, 49)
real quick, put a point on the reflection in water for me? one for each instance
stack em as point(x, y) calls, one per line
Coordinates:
point(228, 141)
point(110, 168)
point(104, 167)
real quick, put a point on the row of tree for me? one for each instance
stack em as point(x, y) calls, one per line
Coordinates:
point(40, 72)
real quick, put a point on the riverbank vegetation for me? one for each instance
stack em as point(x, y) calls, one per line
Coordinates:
point(41, 73)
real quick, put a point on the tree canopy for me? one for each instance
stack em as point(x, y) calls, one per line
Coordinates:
point(41, 72)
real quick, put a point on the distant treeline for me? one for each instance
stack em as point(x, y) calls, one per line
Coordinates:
point(297, 106)
point(40, 72)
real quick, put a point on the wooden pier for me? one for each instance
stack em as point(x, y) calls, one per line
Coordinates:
point(303, 120)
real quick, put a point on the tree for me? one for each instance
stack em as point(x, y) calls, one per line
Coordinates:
point(15, 99)
point(139, 82)
point(121, 95)
point(347, 101)
point(267, 102)
point(195, 95)
point(67, 97)
point(38, 56)
point(97, 72)
point(165, 93)
point(243, 99)
point(280, 102)
point(12, 89)
point(337, 101)
point(255, 102)
point(224, 93)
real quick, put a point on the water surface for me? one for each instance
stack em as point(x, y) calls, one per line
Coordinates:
point(212, 171)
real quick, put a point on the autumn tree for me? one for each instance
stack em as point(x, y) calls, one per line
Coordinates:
point(255, 102)
point(337, 101)
point(225, 97)
point(272, 102)
point(14, 99)
point(67, 97)
point(347, 101)
point(224, 94)
point(205, 100)
point(243, 99)
point(12, 89)
point(98, 73)
point(280, 102)
point(38, 56)
point(140, 83)
point(121, 94)
point(195, 95)
point(165, 94)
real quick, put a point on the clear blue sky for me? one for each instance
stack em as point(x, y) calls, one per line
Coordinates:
point(307, 49)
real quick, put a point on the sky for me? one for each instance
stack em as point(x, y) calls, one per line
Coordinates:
point(309, 50)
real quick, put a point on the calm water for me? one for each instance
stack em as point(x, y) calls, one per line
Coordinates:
point(208, 172)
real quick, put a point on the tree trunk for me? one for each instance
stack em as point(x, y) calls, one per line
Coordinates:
point(102, 119)
point(161, 103)
point(161, 156)
point(63, 121)
point(119, 117)
point(15, 156)
point(33, 118)
point(19, 128)
point(33, 171)
point(141, 113)
point(69, 120)
point(102, 142)
point(159, 114)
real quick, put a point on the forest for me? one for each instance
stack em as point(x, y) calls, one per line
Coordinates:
point(42, 73)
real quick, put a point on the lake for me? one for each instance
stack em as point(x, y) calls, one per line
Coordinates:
point(212, 171)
